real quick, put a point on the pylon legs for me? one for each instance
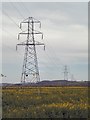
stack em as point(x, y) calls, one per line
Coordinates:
point(30, 72)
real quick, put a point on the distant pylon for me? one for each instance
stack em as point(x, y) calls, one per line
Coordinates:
point(65, 72)
point(30, 71)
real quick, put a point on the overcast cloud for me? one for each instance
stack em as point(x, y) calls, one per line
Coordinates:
point(65, 28)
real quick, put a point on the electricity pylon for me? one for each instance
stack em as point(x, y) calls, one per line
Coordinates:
point(65, 72)
point(30, 71)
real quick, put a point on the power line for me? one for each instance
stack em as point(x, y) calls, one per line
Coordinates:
point(24, 7)
point(50, 48)
point(17, 10)
point(49, 58)
point(12, 48)
point(5, 13)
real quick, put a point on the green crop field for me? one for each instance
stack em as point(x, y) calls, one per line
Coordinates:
point(45, 102)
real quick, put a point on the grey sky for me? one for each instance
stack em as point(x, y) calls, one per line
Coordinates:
point(65, 28)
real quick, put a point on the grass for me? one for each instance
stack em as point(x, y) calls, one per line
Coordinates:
point(45, 102)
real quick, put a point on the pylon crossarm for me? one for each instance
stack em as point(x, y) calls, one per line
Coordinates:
point(21, 34)
point(39, 33)
point(38, 22)
point(31, 44)
point(31, 22)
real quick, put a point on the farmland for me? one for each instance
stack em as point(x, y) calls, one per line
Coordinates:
point(45, 102)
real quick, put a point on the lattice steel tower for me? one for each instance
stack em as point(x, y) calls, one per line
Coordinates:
point(65, 72)
point(30, 71)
